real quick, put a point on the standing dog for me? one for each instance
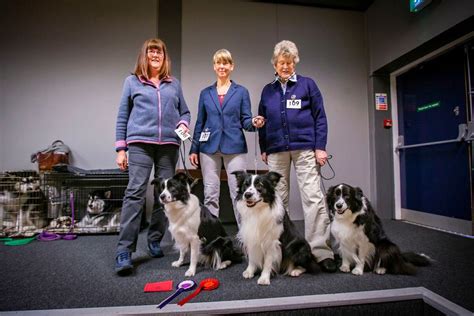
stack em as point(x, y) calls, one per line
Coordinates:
point(193, 227)
point(361, 238)
point(270, 240)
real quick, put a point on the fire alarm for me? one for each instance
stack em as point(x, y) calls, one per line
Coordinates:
point(387, 123)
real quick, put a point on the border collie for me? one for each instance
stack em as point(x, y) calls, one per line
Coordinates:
point(193, 227)
point(270, 240)
point(361, 238)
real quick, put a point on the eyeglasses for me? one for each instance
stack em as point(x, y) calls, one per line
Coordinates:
point(155, 51)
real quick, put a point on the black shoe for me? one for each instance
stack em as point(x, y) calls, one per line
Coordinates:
point(328, 265)
point(155, 250)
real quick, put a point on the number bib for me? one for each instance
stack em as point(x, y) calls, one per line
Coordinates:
point(293, 104)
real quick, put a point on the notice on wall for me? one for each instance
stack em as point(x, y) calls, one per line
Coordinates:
point(381, 103)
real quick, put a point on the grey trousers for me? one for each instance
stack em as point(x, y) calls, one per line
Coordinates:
point(141, 159)
point(316, 218)
point(211, 168)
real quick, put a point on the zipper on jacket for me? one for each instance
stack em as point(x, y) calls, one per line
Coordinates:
point(159, 115)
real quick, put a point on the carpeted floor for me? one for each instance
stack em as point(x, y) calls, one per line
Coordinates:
point(77, 274)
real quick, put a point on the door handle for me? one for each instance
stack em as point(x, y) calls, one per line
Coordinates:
point(465, 132)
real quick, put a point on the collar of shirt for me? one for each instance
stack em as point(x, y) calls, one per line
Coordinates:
point(293, 78)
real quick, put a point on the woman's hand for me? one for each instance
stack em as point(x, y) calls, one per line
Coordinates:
point(321, 157)
point(122, 160)
point(264, 158)
point(194, 159)
point(258, 121)
point(183, 127)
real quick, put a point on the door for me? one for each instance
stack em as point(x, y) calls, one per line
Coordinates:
point(435, 160)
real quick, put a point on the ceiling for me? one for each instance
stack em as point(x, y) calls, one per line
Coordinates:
point(354, 5)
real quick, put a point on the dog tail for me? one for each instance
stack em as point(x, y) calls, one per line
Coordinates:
point(418, 259)
point(389, 256)
point(224, 247)
point(299, 253)
point(313, 266)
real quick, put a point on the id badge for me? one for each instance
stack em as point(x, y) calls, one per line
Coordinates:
point(293, 104)
point(204, 136)
point(182, 134)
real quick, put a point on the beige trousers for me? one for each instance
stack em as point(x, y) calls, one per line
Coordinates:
point(211, 169)
point(316, 219)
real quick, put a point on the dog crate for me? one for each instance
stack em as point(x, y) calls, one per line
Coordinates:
point(91, 199)
point(23, 208)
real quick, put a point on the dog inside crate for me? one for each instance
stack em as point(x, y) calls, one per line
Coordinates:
point(23, 204)
point(102, 209)
point(93, 203)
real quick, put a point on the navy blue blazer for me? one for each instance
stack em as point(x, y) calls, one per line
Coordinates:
point(226, 123)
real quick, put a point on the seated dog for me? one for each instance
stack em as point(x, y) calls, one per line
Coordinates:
point(361, 238)
point(193, 227)
point(269, 238)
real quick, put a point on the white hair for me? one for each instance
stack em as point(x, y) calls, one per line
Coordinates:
point(286, 49)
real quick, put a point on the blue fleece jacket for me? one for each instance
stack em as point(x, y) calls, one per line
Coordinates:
point(150, 114)
point(289, 127)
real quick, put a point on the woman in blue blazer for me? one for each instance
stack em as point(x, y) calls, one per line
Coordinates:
point(223, 113)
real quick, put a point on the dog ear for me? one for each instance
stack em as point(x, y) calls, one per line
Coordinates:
point(182, 177)
point(329, 194)
point(330, 201)
point(108, 194)
point(157, 181)
point(274, 177)
point(358, 193)
point(330, 191)
point(240, 176)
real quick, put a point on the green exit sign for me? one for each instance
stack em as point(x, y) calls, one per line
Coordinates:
point(417, 5)
point(427, 107)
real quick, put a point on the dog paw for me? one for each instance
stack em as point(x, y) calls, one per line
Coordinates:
point(224, 264)
point(296, 272)
point(190, 273)
point(248, 274)
point(357, 271)
point(176, 263)
point(344, 268)
point(263, 280)
point(380, 270)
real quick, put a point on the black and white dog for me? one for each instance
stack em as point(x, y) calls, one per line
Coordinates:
point(361, 238)
point(193, 227)
point(269, 238)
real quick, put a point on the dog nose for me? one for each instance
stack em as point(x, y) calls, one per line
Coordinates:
point(248, 195)
point(338, 205)
point(162, 196)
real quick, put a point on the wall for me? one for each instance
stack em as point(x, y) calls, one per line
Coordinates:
point(333, 51)
point(62, 70)
point(393, 30)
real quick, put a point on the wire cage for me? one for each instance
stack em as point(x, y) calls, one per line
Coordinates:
point(22, 204)
point(53, 201)
point(92, 200)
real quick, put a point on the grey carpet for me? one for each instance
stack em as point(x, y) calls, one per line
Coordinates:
point(79, 273)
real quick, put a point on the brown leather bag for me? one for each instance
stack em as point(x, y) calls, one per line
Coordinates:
point(46, 161)
point(57, 153)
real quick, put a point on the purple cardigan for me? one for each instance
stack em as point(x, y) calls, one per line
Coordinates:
point(288, 129)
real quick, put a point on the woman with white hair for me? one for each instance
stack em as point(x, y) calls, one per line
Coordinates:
point(295, 132)
point(223, 115)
